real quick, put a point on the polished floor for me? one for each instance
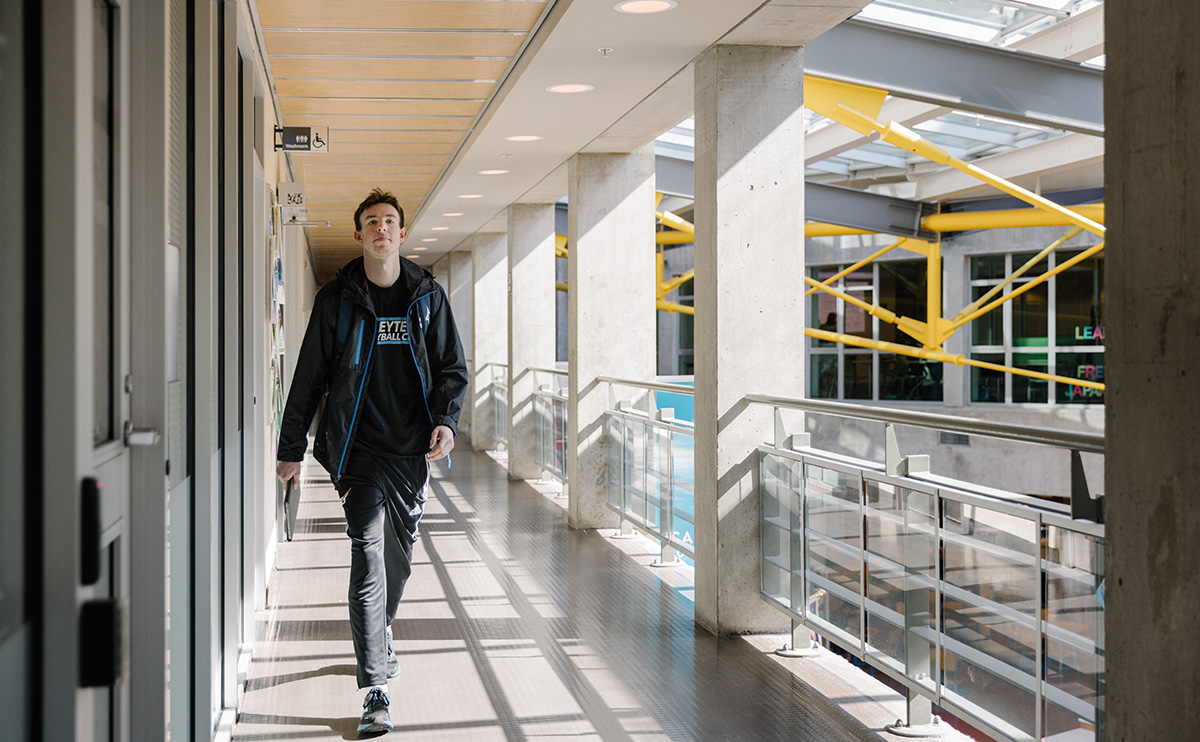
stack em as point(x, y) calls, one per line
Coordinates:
point(515, 628)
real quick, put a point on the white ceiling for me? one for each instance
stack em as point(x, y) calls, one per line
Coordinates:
point(642, 88)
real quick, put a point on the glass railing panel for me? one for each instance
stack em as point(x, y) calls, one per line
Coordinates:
point(990, 604)
point(901, 579)
point(1074, 649)
point(560, 437)
point(658, 475)
point(782, 527)
point(614, 428)
point(833, 548)
point(683, 488)
point(634, 436)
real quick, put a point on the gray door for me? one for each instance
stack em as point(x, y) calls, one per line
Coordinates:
point(82, 301)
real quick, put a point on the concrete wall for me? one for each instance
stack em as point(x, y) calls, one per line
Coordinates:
point(1152, 104)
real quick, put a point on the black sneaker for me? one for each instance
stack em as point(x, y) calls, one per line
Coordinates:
point(393, 662)
point(375, 717)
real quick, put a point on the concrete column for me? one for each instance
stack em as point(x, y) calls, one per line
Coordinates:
point(610, 309)
point(1152, 101)
point(749, 310)
point(531, 297)
point(490, 326)
point(461, 289)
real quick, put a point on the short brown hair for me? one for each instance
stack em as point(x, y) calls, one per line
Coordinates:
point(377, 196)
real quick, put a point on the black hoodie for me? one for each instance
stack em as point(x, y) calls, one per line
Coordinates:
point(340, 374)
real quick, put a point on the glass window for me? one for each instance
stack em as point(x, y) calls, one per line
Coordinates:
point(902, 290)
point(859, 372)
point(1026, 388)
point(842, 371)
point(904, 377)
point(823, 381)
point(823, 307)
point(987, 385)
point(1085, 366)
point(1081, 301)
point(1061, 318)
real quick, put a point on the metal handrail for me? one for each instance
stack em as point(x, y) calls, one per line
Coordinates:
point(556, 371)
point(653, 385)
point(1077, 441)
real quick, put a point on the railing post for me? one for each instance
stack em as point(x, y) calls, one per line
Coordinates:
point(667, 556)
point(801, 644)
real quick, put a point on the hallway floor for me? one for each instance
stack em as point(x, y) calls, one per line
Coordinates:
point(515, 628)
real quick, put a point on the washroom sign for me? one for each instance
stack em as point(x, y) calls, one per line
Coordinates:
point(311, 139)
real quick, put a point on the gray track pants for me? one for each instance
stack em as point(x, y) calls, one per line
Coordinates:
point(383, 500)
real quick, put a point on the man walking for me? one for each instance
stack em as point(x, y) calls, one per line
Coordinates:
point(382, 349)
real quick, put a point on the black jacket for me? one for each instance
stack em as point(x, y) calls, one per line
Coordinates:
point(324, 368)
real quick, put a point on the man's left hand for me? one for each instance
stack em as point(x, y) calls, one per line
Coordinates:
point(441, 443)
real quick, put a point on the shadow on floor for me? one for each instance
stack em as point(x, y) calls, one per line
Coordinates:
point(346, 727)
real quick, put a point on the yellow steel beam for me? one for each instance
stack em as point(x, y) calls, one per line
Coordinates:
point(560, 246)
point(670, 306)
point(858, 106)
point(943, 357)
point(560, 285)
point(824, 229)
point(674, 222)
point(960, 221)
point(673, 238)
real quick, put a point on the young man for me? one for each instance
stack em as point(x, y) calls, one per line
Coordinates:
point(381, 348)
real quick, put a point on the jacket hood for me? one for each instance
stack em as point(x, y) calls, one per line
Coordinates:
point(353, 277)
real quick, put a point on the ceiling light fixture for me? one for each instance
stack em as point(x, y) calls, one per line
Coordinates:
point(453, 213)
point(470, 195)
point(419, 249)
point(438, 229)
point(412, 257)
point(428, 239)
point(570, 87)
point(523, 138)
point(643, 7)
point(493, 172)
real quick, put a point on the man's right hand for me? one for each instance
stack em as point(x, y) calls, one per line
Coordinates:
point(288, 470)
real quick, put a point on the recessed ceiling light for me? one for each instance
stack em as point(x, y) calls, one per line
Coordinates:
point(428, 239)
point(570, 87)
point(412, 257)
point(643, 7)
point(419, 249)
point(438, 229)
point(471, 195)
point(523, 138)
point(493, 172)
point(453, 213)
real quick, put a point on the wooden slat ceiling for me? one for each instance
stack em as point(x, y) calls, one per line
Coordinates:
point(398, 83)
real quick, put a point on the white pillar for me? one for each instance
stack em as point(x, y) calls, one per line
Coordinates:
point(461, 289)
point(531, 325)
point(749, 308)
point(490, 326)
point(610, 309)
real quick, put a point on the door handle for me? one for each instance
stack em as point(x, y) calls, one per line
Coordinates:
point(140, 436)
